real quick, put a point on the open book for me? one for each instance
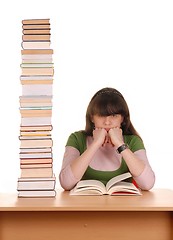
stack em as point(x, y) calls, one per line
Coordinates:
point(115, 186)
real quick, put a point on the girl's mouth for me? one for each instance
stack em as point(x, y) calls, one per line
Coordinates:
point(107, 129)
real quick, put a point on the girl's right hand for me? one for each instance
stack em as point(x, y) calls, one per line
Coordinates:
point(99, 135)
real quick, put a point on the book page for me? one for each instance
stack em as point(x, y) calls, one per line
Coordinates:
point(124, 188)
point(85, 185)
point(87, 191)
point(117, 179)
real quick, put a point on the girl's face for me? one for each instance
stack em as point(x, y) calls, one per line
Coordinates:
point(107, 122)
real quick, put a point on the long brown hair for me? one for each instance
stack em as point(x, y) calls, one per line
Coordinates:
point(106, 102)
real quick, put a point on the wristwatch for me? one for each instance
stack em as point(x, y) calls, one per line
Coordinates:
point(122, 148)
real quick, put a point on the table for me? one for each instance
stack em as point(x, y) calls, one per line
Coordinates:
point(149, 216)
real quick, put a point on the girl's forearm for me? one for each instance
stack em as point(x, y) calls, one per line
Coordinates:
point(135, 165)
point(80, 164)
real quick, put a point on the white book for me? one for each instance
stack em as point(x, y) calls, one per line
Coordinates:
point(33, 137)
point(36, 77)
point(36, 155)
point(36, 108)
point(36, 56)
point(35, 121)
point(35, 104)
point(37, 193)
point(36, 183)
point(35, 45)
point(37, 89)
point(35, 150)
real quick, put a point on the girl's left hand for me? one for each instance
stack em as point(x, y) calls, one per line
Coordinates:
point(116, 136)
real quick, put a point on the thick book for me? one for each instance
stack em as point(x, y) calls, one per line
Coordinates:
point(35, 37)
point(35, 104)
point(45, 183)
point(37, 71)
point(36, 143)
point(36, 51)
point(37, 89)
point(36, 58)
point(36, 113)
point(36, 31)
point(35, 44)
point(35, 121)
point(35, 133)
point(36, 193)
point(115, 186)
point(36, 165)
point(36, 155)
point(36, 172)
point(36, 161)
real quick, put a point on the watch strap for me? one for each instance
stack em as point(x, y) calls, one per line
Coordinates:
point(122, 148)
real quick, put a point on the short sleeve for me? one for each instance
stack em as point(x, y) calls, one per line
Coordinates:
point(78, 141)
point(134, 142)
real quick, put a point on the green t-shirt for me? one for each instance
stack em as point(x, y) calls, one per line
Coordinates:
point(78, 141)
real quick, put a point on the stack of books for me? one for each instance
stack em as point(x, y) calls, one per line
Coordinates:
point(36, 158)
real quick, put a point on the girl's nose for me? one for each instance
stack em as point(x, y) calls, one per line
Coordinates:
point(107, 120)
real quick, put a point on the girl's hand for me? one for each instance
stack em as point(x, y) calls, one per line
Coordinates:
point(100, 136)
point(116, 136)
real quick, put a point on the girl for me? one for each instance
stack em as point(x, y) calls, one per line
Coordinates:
point(108, 146)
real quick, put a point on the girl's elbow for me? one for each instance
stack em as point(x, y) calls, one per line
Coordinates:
point(148, 185)
point(66, 185)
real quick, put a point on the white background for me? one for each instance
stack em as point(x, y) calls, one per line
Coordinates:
point(127, 45)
